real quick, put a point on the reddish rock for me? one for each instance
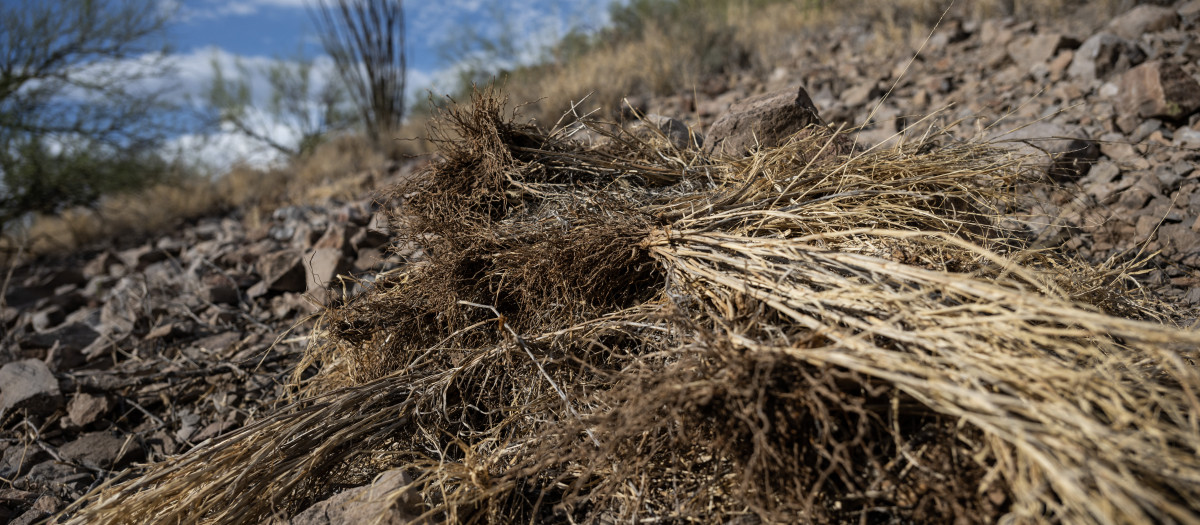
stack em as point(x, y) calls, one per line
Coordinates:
point(283, 271)
point(1028, 51)
point(766, 120)
point(336, 237)
point(320, 267)
point(84, 409)
point(42, 508)
point(1158, 89)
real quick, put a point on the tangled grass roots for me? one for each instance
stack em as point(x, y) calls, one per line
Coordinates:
point(631, 332)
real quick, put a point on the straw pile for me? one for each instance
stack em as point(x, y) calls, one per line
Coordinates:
point(634, 333)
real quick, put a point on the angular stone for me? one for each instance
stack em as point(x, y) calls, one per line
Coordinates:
point(13, 501)
point(1158, 89)
point(368, 238)
point(85, 409)
point(1101, 55)
point(220, 294)
point(1063, 153)
point(861, 93)
point(19, 458)
point(219, 289)
point(29, 385)
point(103, 264)
point(43, 508)
point(103, 450)
point(74, 336)
point(1187, 138)
point(1143, 19)
point(1028, 51)
point(368, 259)
point(142, 256)
point(678, 134)
point(48, 318)
point(336, 237)
point(123, 305)
point(283, 271)
point(169, 331)
point(766, 120)
point(56, 472)
point(320, 267)
point(375, 503)
point(1189, 12)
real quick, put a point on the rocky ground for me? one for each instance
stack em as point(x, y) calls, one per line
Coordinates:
point(130, 354)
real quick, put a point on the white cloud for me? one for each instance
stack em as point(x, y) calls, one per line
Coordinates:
point(217, 152)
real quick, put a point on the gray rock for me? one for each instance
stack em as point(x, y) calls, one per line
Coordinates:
point(1062, 152)
point(1143, 19)
point(56, 472)
point(766, 120)
point(103, 450)
point(1187, 138)
point(29, 385)
point(1102, 55)
point(383, 502)
point(124, 305)
point(1158, 89)
point(1145, 129)
point(674, 130)
point(19, 458)
point(71, 337)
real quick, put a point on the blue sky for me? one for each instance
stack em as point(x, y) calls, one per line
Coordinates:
point(282, 28)
point(256, 32)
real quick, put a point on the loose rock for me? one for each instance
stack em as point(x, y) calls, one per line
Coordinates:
point(762, 121)
point(1158, 89)
point(29, 385)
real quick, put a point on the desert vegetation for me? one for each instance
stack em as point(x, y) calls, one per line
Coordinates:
point(719, 261)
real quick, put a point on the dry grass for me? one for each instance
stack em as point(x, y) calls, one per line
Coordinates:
point(341, 169)
point(630, 332)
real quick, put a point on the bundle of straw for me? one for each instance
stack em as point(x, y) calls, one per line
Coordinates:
point(633, 332)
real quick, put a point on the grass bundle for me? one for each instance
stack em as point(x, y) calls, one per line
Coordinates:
point(630, 332)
